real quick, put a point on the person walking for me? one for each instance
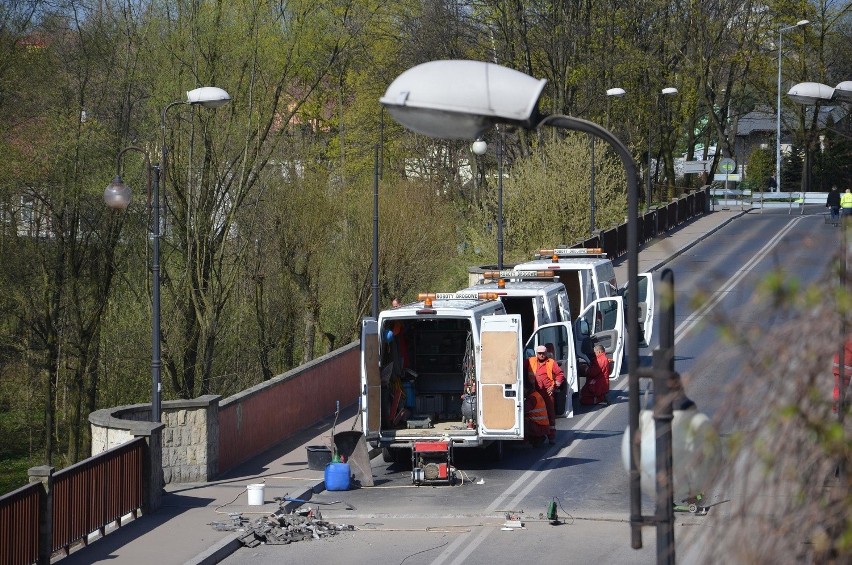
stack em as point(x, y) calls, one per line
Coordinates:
point(548, 376)
point(772, 184)
point(832, 202)
point(846, 203)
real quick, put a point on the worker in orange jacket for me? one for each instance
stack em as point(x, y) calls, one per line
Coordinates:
point(536, 422)
point(548, 376)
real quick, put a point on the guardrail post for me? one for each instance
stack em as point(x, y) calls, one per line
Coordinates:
point(44, 475)
point(152, 466)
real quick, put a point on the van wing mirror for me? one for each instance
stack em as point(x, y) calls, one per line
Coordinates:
point(583, 327)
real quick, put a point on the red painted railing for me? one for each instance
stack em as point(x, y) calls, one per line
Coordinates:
point(97, 492)
point(19, 525)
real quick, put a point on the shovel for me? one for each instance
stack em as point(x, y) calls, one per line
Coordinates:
point(353, 446)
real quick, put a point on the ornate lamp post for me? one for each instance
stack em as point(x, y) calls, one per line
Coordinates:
point(117, 195)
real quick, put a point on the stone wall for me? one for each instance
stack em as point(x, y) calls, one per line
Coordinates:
point(190, 439)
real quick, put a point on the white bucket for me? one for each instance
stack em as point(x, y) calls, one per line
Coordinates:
point(255, 494)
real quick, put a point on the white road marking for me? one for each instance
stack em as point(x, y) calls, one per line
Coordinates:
point(532, 477)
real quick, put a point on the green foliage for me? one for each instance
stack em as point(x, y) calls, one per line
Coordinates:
point(547, 195)
point(760, 166)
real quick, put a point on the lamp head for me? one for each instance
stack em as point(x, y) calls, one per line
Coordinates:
point(117, 194)
point(668, 91)
point(615, 91)
point(810, 93)
point(208, 96)
point(843, 91)
point(479, 147)
point(460, 99)
point(801, 23)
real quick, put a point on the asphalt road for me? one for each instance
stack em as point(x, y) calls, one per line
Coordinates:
point(717, 289)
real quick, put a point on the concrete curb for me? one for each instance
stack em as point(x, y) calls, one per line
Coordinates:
point(230, 544)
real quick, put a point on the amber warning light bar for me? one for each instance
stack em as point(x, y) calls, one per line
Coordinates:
point(569, 252)
point(518, 274)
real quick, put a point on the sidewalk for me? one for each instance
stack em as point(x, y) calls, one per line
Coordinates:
point(181, 531)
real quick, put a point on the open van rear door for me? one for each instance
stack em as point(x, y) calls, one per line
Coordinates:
point(602, 322)
point(646, 307)
point(500, 393)
point(559, 340)
point(371, 382)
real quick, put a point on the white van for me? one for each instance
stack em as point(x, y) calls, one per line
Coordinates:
point(589, 275)
point(448, 368)
point(545, 311)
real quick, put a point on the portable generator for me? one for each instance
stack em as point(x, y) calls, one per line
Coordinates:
point(431, 463)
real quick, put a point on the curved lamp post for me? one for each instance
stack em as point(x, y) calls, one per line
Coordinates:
point(462, 100)
point(117, 195)
point(800, 23)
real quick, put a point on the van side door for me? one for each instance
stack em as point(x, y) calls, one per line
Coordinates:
point(500, 390)
point(371, 383)
point(602, 322)
point(558, 338)
point(646, 307)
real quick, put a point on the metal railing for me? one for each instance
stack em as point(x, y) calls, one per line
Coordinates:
point(97, 492)
point(20, 525)
point(652, 223)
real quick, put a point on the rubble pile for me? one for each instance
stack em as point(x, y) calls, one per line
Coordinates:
point(281, 529)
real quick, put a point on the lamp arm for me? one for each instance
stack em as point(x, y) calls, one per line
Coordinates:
point(578, 124)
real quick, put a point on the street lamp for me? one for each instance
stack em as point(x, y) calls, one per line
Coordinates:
point(668, 91)
point(479, 147)
point(592, 205)
point(811, 93)
point(117, 195)
point(798, 24)
point(462, 100)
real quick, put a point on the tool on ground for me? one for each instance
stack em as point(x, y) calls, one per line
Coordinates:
point(552, 515)
point(303, 501)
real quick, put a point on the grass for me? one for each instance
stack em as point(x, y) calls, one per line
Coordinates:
point(13, 472)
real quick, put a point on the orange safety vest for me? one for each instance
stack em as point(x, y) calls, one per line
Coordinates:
point(538, 413)
point(547, 365)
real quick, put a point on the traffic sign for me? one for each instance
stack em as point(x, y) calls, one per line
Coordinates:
point(727, 165)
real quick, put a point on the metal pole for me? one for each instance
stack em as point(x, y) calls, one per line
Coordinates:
point(592, 208)
point(663, 363)
point(375, 287)
point(500, 140)
point(156, 361)
point(578, 124)
point(648, 181)
point(778, 120)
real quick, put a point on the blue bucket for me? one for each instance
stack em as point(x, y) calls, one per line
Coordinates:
point(337, 476)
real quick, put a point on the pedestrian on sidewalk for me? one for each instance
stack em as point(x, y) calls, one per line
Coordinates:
point(548, 376)
point(846, 204)
point(832, 202)
point(772, 184)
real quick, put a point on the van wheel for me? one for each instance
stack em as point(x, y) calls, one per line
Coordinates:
point(396, 456)
point(495, 450)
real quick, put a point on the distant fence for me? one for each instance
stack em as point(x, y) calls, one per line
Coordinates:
point(652, 223)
